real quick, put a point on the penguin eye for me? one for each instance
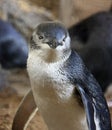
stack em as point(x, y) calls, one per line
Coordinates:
point(64, 39)
point(41, 37)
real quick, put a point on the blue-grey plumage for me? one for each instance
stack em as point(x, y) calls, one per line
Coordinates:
point(92, 39)
point(90, 92)
point(52, 31)
point(13, 47)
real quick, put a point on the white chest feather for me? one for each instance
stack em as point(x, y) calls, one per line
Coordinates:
point(54, 97)
point(50, 76)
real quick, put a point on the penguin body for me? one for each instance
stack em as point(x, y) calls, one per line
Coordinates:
point(54, 95)
point(58, 77)
point(13, 47)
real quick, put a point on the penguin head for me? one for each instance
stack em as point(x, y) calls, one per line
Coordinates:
point(50, 35)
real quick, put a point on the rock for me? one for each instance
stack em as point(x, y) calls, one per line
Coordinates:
point(73, 11)
point(23, 15)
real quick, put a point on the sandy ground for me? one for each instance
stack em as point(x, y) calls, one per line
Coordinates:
point(10, 97)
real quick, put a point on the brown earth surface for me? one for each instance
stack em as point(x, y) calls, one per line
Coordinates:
point(10, 97)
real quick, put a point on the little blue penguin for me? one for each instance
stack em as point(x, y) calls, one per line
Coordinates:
point(13, 47)
point(62, 89)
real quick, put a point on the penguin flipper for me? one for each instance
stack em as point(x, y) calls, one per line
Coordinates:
point(97, 117)
point(25, 112)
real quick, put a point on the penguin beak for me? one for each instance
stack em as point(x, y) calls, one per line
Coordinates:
point(96, 109)
point(53, 44)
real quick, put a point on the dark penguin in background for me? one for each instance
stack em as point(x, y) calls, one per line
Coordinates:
point(58, 78)
point(92, 39)
point(13, 47)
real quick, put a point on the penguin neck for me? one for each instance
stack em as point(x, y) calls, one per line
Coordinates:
point(51, 55)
